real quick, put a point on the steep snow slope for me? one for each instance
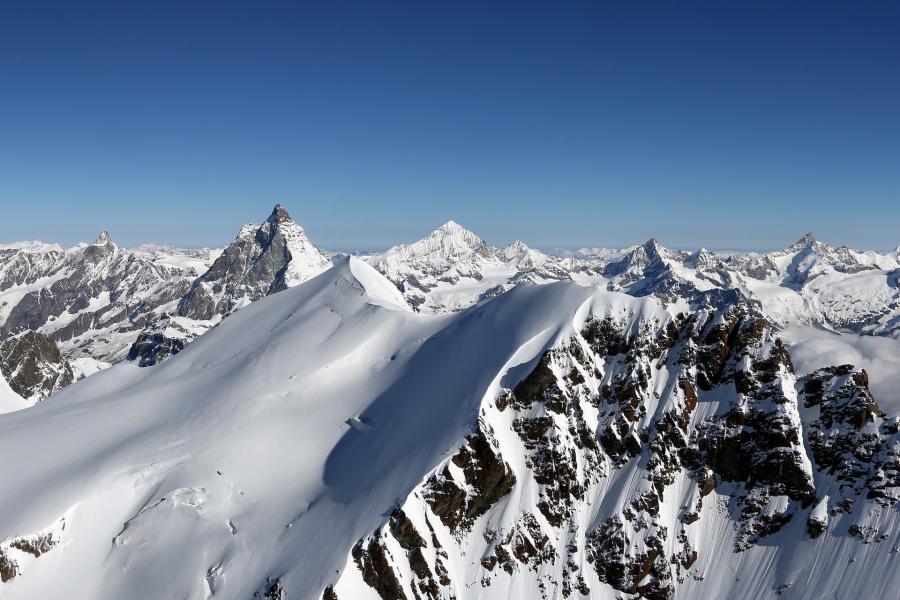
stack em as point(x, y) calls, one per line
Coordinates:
point(264, 398)
point(262, 260)
point(10, 400)
point(555, 441)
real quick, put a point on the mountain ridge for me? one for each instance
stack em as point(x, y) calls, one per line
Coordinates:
point(102, 304)
point(557, 441)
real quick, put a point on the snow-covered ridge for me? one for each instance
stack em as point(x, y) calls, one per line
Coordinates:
point(556, 441)
point(810, 282)
point(103, 304)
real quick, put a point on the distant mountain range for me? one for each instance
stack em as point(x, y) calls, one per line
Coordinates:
point(556, 441)
point(97, 304)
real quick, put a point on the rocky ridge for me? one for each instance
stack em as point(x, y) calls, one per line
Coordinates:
point(631, 440)
point(808, 283)
point(102, 304)
point(557, 441)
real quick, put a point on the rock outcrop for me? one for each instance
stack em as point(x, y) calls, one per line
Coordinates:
point(601, 467)
point(33, 367)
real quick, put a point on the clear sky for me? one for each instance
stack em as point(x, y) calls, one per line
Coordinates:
point(721, 124)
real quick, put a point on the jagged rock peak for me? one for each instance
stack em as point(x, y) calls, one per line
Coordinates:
point(279, 215)
point(700, 259)
point(651, 251)
point(102, 239)
point(516, 247)
point(807, 240)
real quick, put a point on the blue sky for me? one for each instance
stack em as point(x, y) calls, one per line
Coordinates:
point(727, 125)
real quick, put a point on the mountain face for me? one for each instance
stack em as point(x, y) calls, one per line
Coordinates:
point(262, 260)
point(555, 441)
point(33, 367)
point(91, 299)
point(452, 268)
point(808, 283)
point(102, 304)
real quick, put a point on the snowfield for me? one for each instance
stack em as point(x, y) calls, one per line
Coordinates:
point(254, 460)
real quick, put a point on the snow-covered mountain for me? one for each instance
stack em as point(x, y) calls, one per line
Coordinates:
point(101, 304)
point(808, 283)
point(556, 441)
point(452, 268)
point(262, 260)
point(91, 299)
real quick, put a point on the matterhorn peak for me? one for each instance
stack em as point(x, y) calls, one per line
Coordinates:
point(279, 215)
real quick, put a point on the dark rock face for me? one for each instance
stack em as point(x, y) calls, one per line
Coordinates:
point(33, 366)
point(162, 339)
point(375, 565)
point(36, 545)
point(618, 398)
point(85, 275)
point(105, 303)
point(484, 472)
point(25, 268)
point(853, 439)
point(152, 348)
point(272, 590)
point(252, 266)
point(9, 568)
point(329, 594)
point(95, 297)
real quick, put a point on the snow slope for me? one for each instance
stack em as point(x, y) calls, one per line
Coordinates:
point(255, 459)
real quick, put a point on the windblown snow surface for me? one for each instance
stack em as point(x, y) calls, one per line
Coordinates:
point(268, 447)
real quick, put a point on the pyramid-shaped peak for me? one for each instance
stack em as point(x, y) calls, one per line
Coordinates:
point(652, 248)
point(515, 249)
point(518, 245)
point(700, 259)
point(455, 231)
point(807, 240)
point(102, 239)
point(279, 215)
point(452, 226)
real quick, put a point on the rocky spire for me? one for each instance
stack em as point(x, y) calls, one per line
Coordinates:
point(807, 240)
point(102, 239)
point(279, 215)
